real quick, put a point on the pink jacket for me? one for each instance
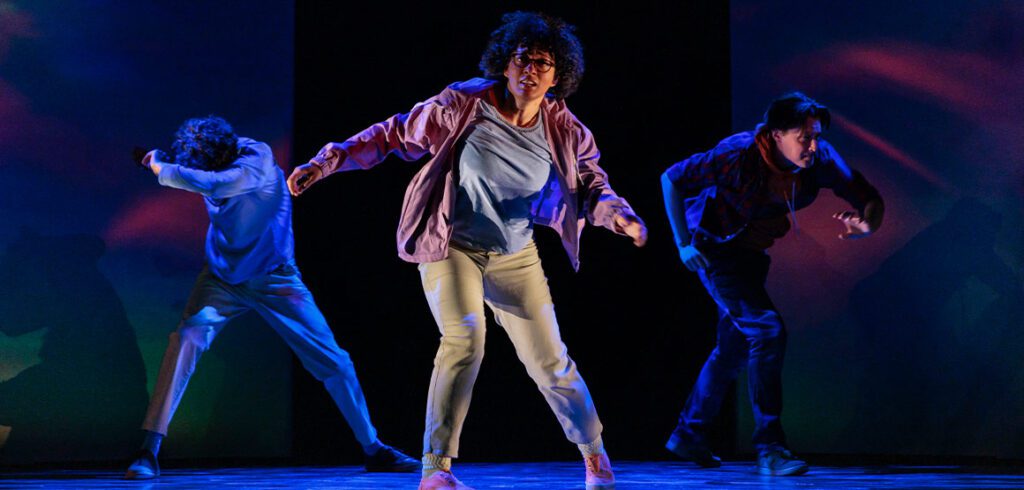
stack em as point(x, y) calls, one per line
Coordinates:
point(434, 126)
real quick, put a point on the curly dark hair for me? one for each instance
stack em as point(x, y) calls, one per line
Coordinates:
point(205, 143)
point(536, 31)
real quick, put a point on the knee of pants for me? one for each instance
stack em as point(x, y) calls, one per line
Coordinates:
point(769, 339)
point(340, 362)
point(463, 348)
point(199, 329)
point(763, 325)
point(547, 363)
point(198, 336)
point(729, 361)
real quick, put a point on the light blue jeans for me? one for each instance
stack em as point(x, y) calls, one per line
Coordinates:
point(286, 304)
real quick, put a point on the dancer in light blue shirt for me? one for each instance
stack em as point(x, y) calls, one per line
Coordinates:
point(249, 266)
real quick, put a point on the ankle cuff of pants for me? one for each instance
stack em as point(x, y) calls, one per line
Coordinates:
point(685, 437)
point(434, 462)
point(594, 447)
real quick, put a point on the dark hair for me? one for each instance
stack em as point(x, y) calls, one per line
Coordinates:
point(792, 110)
point(536, 31)
point(205, 143)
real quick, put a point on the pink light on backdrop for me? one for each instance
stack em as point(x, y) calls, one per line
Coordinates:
point(282, 148)
point(979, 89)
point(171, 219)
point(973, 85)
point(42, 141)
point(14, 113)
point(13, 24)
point(890, 150)
point(982, 89)
point(166, 219)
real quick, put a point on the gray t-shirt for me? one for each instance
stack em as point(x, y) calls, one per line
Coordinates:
point(502, 170)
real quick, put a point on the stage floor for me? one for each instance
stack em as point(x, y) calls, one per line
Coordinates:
point(549, 476)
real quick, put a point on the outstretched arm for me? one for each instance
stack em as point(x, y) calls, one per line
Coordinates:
point(603, 207)
point(237, 179)
point(408, 136)
point(852, 187)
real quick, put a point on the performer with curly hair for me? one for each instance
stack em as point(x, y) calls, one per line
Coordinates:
point(249, 266)
point(506, 154)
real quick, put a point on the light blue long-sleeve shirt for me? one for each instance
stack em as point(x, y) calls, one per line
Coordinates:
point(250, 212)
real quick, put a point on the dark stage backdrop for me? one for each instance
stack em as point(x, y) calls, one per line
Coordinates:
point(96, 259)
point(656, 89)
point(908, 342)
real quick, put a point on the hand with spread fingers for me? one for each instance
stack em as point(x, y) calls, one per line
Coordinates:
point(303, 177)
point(856, 226)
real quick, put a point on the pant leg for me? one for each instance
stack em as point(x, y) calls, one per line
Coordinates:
point(283, 300)
point(720, 370)
point(211, 305)
point(736, 282)
point(517, 291)
point(454, 291)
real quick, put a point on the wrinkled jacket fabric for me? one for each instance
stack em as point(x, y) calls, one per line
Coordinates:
point(580, 192)
point(724, 189)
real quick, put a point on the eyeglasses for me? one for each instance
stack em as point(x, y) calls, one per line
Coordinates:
point(542, 65)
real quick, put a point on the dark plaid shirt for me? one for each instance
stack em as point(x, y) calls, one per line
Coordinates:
point(732, 194)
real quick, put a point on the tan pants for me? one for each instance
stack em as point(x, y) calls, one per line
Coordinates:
point(515, 289)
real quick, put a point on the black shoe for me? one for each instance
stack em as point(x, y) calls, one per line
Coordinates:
point(778, 461)
point(698, 453)
point(390, 460)
point(143, 467)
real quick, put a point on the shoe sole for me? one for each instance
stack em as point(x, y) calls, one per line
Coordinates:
point(792, 472)
point(133, 475)
point(687, 457)
point(394, 469)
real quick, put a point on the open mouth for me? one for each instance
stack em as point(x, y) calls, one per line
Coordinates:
point(527, 83)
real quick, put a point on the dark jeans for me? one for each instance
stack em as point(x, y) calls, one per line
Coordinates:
point(750, 332)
